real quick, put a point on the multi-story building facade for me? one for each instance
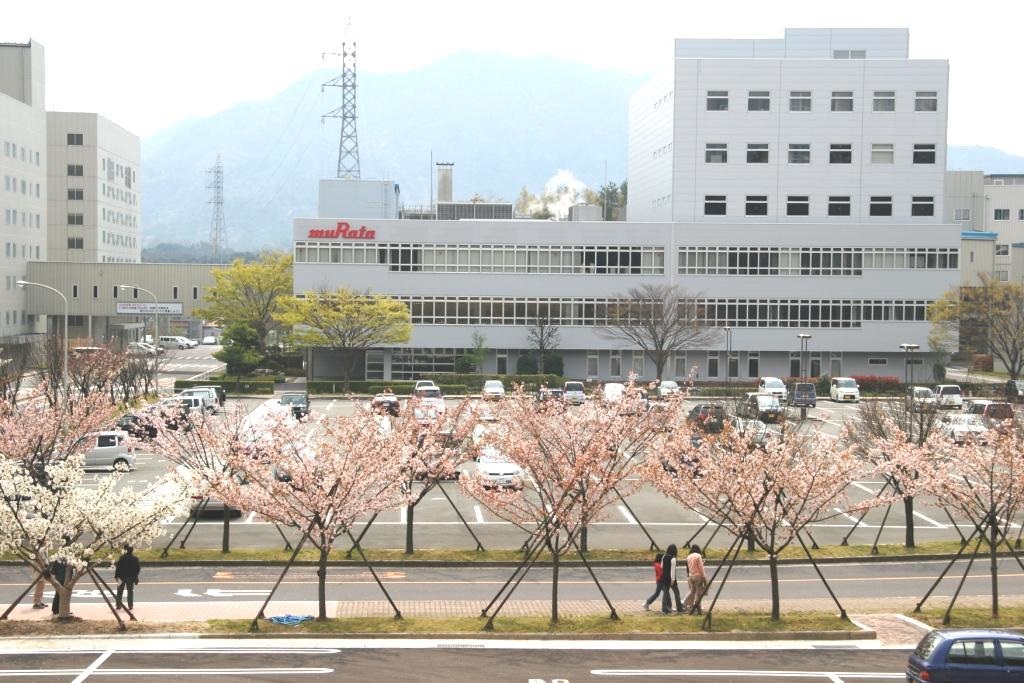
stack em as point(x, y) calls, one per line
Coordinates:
point(991, 205)
point(23, 166)
point(94, 190)
point(791, 186)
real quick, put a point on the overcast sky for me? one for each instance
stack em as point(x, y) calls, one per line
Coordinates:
point(147, 65)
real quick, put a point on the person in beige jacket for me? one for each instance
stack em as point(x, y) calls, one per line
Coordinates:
point(697, 580)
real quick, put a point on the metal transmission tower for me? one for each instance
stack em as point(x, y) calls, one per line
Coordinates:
point(348, 146)
point(218, 234)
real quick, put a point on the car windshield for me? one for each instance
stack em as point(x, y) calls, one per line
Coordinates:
point(928, 644)
point(846, 384)
point(923, 393)
point(774, 384)
point(290, 399)
point(949, 390)
point(493, 384)
point(669, 384)
point(432, 392)
point(767, 402)
point(574, 386)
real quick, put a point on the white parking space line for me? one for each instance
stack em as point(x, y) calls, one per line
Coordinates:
point(92, 667)
point(851, 517)
point(252, 516)
point(702, 517)
point(625, 513)
point(862, 487)
point(931, 521)
point(403, 515)
point(479, 514)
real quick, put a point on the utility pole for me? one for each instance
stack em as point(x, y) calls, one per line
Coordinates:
point(218, 232)
point(348, 145)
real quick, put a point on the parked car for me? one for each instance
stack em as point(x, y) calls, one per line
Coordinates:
point(423, 384)
point(844, 389)
point(802, 395)
point(1015, 390)
point(201, 402)
point(963, 427)
point(613, 391)
point(710, 417)
point(991, 411)
point(549, 394)
point(921, 398)
point(967, 656)
point(764, 407)
point(495, 468)
point(173, 411)
point(430, 397)
point(173, 342)
point(772, 385)
point(574, 393)
point(666, 388)
point(218, 390)
point(209, 340)
point(142, 349)
point(493, 390)
point(213, 400)
point(106, 450)
point(386, 402)
point(949, 396)
point(297, 402)
point(136, 426)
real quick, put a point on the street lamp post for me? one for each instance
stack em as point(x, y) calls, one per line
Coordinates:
point(804, 341)
point(156, 312)
point(23, 284)
point(728, 359)
point(908, 379)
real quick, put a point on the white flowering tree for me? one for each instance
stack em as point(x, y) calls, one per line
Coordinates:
point(576, 460)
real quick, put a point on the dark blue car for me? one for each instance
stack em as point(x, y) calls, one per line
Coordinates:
point(968, 656)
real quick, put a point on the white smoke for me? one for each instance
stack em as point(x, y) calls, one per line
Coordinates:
point(561, 191)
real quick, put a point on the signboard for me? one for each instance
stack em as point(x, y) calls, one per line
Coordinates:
point(343, 229)
point(140, 308)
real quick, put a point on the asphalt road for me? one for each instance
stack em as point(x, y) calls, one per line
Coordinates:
point(457, 662)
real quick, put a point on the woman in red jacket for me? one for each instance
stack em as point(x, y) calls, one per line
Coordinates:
point(657, 581)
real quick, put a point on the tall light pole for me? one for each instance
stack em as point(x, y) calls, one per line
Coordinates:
point(908, 378)
point(23, 284)
point(728, 359)
point(803, 337)
point(156, 312)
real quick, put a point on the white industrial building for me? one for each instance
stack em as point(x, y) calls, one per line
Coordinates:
point(793, 186)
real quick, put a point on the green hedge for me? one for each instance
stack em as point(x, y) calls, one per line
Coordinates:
point(475, 382)
point(375, 387)
point(245, 386)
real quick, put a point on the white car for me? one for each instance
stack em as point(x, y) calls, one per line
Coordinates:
point(774, 386)
point(949, 396)
point(208, 393)
point(921, 398)
point(143, 349)
point(964, 427)
point(844, 389)
point(174, 342)
point(423, 384)
point(209, 340)
point(668, 387)
point(497, 470)
point(494, 389)
point(613, 391)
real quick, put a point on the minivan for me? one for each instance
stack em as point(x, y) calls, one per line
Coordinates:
point(574, 393)
point(949, 396)
point(803, 395)
point(773, 386)
point(209, 393)
point(169, 342)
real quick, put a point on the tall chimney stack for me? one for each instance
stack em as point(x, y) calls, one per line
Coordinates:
point(444, 181)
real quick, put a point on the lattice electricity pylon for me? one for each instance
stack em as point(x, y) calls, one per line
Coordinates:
point(218, 232)
point(348, 145)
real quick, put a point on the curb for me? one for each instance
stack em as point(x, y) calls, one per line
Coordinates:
point(866, 634)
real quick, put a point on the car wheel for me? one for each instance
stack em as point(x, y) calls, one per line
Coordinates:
point(121, 464)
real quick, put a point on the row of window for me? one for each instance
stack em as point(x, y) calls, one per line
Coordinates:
point(114, 192)
point(489, 258)
point(839, 100)
point(997, 214)
point(117, 240)
point(13, 150)
point(800, 153)
point(818, 313)
point(28, 188)
point(118, 259)
point(116, 170)
point(28, 219)
point(116, 291)
point(27, 250)
point(815, 261)
point(800, 205)
point(11, 318)
point(119, 218)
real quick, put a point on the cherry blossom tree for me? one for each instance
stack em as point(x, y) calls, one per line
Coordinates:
point(575, 461)
point(320, 475)
point(766, 489)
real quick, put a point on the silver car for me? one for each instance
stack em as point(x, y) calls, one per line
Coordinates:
point(107, 450)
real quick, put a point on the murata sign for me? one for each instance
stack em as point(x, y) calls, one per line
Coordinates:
point(343, 230)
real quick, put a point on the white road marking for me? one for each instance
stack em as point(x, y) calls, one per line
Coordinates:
point(931, 521)
point(625, 513)
point(92, 667)
point(851, 517)
point(864, 488)
point(833, 676)
point(252, 516)
point(403, 515)
point(479, 514)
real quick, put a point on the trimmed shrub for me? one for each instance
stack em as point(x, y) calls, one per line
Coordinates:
point(526, 364)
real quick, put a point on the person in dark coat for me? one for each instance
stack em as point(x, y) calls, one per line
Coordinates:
point(668, 581)
point(126, 573)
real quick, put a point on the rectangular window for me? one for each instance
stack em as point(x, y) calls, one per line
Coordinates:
point(195, 294)
point(924, 154)
point(757, 153)
point(753, 364)
point(174, 292)
point(718, 100)
point(76, 219)
point(716, 153)
point(758, 100)
point(74, 138)
point(1002, 250)
point(926, 100)
point(842, 100)
point(922, 206)
point(74, 291)
point(838, 206)
point(95, 292)
point(881, 153)
point(840, 154)
point(75, 170)
point(714, 205)
point(885, 100)
point(75, 194)
point(1003, 275)
point(798, 205)
point(757, 205)
point(1001, 215)
point(638, 363)
point(76, 243)
point(961, 214)
point(615, 364)
point(877, 361)
point(681, 369)
point(734, 364)
point(713, 363)
point(881, 206)
point(592, 357)
point(799, 153)
point(1020, 214)
point(800, 100)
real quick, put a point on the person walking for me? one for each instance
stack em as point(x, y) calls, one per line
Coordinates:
point(37, 595)
point(126, 573)
point(668, 581)
point(697, 580)
point(657, 583)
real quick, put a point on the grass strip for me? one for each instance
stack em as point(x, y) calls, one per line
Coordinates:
point(973, 617)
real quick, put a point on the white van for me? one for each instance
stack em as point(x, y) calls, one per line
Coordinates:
point(774, 386)
point(949, 396)
point(197, 402)
point(209, 393)
point(169, 342)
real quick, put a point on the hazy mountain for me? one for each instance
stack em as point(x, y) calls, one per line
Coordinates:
point(505, 122)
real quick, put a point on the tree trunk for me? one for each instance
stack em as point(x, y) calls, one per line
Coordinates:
point(773, 571)
point(583, 539)
point(908, 512)
point(225, 538)
point(64, 610)
point(554, 584)
point(321, 579)
point(409, 513)
point(659, 365)
point(993, 567)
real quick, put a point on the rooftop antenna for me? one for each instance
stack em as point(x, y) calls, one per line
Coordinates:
point(218, 233)
point(348, 146)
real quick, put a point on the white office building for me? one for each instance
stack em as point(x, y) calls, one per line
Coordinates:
point(94, 189)
point(793, 186)
point(23, 166)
